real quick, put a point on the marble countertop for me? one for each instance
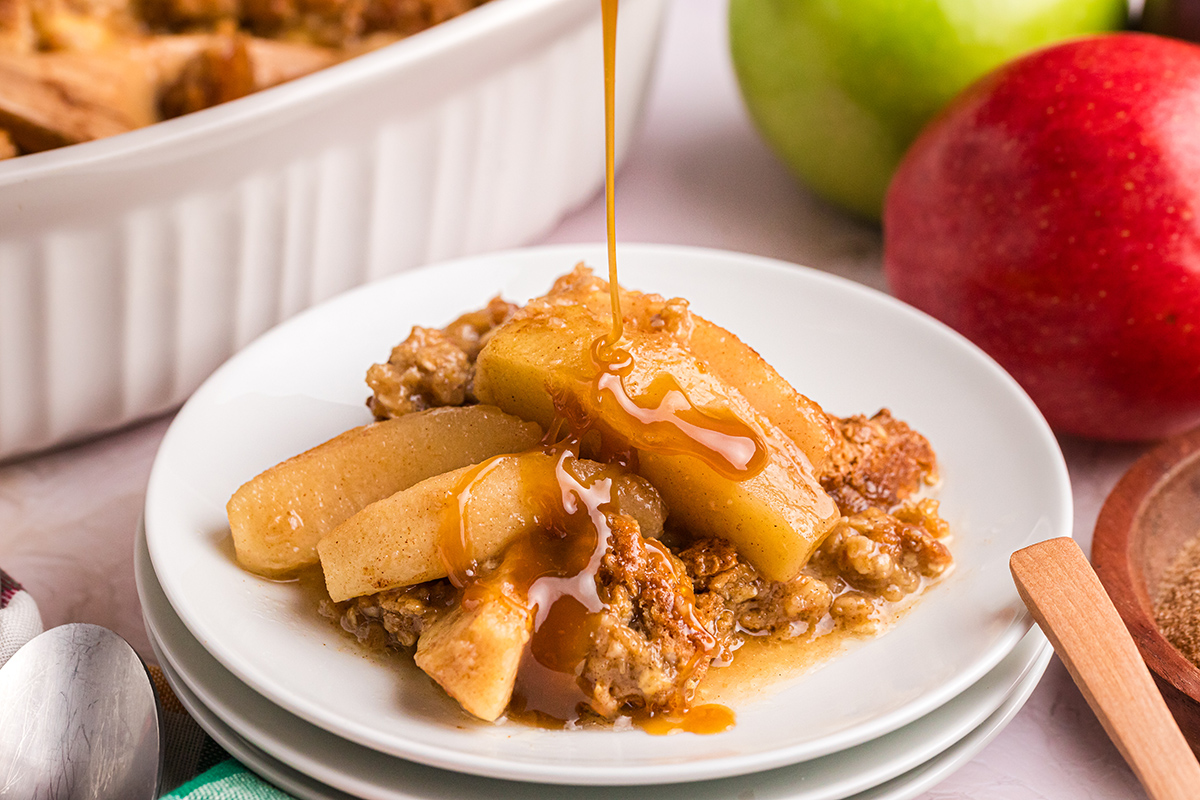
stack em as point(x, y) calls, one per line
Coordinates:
point(696, 175)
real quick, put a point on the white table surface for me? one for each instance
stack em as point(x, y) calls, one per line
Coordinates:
point(697, 175)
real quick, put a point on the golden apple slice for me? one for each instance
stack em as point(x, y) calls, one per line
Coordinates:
point(775, 518)
point(49, 100)
point(272, 61)
point(742, 367)
point(397, 541)
point(278, 517)
point(474, 653)
point(735, 362)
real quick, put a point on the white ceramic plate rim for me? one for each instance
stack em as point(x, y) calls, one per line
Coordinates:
point(986, 622)
point(904, 787)
point(280, 774)
point(272, 738)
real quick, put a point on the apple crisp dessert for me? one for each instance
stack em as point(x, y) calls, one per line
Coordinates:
point(76, 70)
point(569, 516)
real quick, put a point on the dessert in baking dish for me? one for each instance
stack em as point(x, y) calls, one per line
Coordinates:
point(76, 70)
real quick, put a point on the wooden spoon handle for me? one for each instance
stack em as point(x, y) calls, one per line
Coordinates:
point(1069, 603)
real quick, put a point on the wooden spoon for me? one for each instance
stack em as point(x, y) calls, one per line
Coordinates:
point(1069, 603)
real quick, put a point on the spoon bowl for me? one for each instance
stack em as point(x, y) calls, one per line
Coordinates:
point(79, 719)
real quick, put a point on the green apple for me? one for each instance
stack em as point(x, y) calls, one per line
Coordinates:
point(840, 88)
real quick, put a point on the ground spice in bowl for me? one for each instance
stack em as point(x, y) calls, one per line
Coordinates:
point(1177, 607)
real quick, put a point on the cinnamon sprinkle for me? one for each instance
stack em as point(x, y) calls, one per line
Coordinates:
point(1177, 607)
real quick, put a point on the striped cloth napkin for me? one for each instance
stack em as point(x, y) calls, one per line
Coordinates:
point(194, 766)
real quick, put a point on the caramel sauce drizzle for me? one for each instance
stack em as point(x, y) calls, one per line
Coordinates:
point(454, 543)
point(608, 12)
point(556, 567)
point(663, 419)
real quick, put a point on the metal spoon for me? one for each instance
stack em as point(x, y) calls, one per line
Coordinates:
point(79, 719)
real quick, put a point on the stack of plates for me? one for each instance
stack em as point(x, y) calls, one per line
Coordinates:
point(298, 701)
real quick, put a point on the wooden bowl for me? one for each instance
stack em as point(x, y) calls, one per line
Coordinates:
point(1152, 512)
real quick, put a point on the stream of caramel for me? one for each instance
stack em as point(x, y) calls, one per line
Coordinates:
point(555, 568)
point(608, 11)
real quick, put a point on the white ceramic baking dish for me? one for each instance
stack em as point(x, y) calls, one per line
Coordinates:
point(130, 267)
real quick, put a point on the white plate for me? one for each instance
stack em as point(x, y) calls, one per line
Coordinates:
point(320, 764)
point(907, 786)
point(850, 348)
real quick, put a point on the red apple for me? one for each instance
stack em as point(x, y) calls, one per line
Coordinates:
point(1050, 215)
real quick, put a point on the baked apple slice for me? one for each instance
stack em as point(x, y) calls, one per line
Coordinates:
point(742, 367)
point(398, 540)
point(734, 361)
point(543, 358)
point(473, 653)
point(278, 517)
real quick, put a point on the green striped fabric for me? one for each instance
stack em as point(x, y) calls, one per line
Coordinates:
point(228, 780)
